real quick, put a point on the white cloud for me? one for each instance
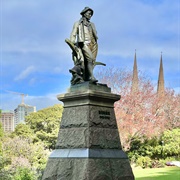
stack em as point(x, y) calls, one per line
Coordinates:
point(43, 101)
point(33, 34)
point(10, 101)
point(32, 81)
point(25, 73)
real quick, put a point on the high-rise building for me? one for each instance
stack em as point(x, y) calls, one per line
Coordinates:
point(7, 120)
point(21, 111)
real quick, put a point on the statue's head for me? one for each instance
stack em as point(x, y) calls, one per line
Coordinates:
point(85, 10)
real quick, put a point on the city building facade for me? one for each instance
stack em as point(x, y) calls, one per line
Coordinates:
point(21, 111)
point(7, 120)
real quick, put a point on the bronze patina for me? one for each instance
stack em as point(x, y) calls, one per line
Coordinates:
point(83, 42)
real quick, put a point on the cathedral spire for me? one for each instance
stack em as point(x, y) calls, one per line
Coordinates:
point(134, 87)
point(160, 88)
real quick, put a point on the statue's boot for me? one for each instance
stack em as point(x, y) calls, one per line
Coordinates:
point(90, 68)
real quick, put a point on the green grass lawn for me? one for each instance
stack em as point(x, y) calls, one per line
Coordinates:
point(168, 173)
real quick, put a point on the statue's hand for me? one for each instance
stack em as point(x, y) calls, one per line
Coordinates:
point(76, 48)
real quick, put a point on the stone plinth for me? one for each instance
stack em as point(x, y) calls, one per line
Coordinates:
point(88, 145)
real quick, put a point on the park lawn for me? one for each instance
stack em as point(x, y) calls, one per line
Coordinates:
point(168, 173)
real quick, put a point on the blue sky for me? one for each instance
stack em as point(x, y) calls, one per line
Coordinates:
point(35, 60)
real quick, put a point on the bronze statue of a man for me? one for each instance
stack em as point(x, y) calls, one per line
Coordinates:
point(83, 42)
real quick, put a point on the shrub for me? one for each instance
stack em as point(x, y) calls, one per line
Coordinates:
point(144, 162)
point(24, 174)
point(158, 163)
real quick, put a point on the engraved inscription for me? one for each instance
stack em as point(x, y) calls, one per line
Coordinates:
point(104, 114)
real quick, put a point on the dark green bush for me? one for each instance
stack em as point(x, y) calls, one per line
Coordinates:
point(156, 148)
point(144, 162)
point(24, 174)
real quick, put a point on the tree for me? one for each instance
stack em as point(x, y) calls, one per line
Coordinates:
point(24, 174)
point(22, 153)
point(171, 142)
point(1, 130)
point(1, 137)
point(133, 109)
point(45, 124)
point(141, 113)
point(22, 148)
point(169, 109)
point(23, 130)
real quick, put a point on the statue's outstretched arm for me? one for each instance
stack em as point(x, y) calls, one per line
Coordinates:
point(73, 35)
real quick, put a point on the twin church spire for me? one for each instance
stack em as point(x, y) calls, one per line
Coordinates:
point(135, 80)
point(160, 86)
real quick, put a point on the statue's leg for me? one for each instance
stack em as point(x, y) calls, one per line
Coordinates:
point(90, 67)
point(94, 49)
point(88, 55)
point(89, 58)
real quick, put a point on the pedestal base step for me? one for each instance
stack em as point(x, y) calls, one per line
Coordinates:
point(88, 153)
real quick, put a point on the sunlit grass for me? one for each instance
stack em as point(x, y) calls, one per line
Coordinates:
point(168, 173)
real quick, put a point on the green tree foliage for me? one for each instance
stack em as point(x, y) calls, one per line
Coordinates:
point(170, 143)
point(23, 130)
point(144, 162)
point(24, 174)
point(45, 124)
point(5, 174)
point(158, 149)
point(1, 151)
point(1, 130)
point(22, 153)
point(1, 135)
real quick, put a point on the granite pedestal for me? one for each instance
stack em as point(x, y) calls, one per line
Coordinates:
point(88, 145)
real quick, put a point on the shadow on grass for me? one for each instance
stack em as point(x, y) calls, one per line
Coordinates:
point(158, 174)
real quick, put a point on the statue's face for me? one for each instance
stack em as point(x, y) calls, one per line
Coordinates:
point(88, 15)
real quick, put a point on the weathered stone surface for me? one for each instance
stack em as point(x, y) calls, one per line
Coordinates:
point(75, 117)
point(101, 138)
point(89, 97)
point(104, 138)
point(88, 116)
point(87, 85)
point(88, 145)
point(102, 117)
point(66, 169)
point(72, 138)
point(88, 169)
point(51, 169)
point(86, 96)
